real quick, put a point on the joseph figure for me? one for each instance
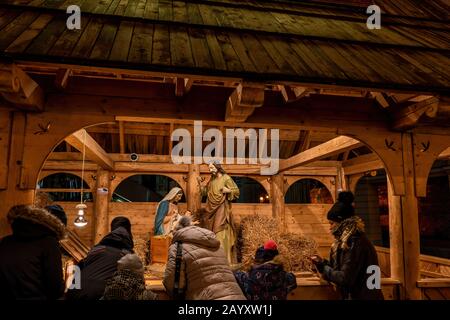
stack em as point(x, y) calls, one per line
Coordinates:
point(220, 191)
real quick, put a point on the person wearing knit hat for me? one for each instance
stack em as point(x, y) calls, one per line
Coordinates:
point(101, 262)
point(267, 278)
point(128, 281)
point(57, 211)
point(351, 253)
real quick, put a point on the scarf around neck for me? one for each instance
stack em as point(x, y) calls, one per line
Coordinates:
point(343, 231)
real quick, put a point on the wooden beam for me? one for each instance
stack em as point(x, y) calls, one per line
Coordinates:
point(410, 222)
point(277, 192)
point(62, 78)
point(5, 140)
point(121, 137)
point(179, 87)
point(193, 195)
point(292, 93)
point(445, 154)
point(19, 89)
point(397, 266)
point(329, 148)
point(364, 163)
point(409, 116)
point(93, 150)
point(101, 208)
point(380, 98)
point(243, 101)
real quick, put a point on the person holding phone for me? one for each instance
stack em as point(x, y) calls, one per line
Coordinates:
point(351, 253)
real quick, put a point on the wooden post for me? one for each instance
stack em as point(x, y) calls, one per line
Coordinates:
point(102, 197)
point(396, 238)
point(341, 180)
point(193, 195)
point(277, 199)
point(121, 137)
point(410, 222)
point(12, 194)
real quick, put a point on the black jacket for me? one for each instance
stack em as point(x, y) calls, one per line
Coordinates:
point(349, 269)
point(30, 258)
point(101, 264)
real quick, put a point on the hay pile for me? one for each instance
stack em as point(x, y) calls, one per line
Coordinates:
point(294, 248)
point(142, 248)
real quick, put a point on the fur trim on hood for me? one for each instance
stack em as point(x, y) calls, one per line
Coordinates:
point(38, 216)
point(278, 260)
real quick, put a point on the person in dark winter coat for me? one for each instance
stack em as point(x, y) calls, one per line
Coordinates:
point(30, 258)
point(128, 282)
point(267, 279)
point(351, 253)
point(101, 262)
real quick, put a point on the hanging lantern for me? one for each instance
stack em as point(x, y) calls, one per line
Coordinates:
point(80, 220)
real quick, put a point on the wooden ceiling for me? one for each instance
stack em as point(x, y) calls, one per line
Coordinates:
point(153, 139)
point(297, 42)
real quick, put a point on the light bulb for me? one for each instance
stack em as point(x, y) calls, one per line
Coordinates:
point(80, 222)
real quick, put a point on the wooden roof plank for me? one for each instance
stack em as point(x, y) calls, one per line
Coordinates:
point(215, 50)
point(165, 10)
point(22, 41)
point(102, 6)
point(151, 9)
point(242, 52)
point(229, 54)
point(181, 53)
point(67, 41)
point(161, 46)
point(121, 7)
point(122, 41)
point(282, 63)
point(261, 59)
point(112, 7)
point(87, 40)
point(289, 54)
point(15, 27)
point(180, 11)
point(105, 41)
point(193, 13)
point(141, 44)
point(47, 38)
point(200, 49)
point(131, 8)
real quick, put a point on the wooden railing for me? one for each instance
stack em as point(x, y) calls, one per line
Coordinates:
point(430, 267)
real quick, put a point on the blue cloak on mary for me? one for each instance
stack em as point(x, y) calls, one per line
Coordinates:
point(162, 210)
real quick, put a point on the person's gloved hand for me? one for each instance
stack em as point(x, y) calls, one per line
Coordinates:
point(318, 262)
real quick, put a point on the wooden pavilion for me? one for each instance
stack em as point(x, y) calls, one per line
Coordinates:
point(347, 100)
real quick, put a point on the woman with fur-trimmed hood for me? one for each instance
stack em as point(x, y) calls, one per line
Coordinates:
point(351, 253)
point(267, 278)
point(30, 258)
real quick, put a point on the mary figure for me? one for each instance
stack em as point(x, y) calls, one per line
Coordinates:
point(167, 212)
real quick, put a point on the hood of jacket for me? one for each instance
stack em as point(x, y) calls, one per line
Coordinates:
point(198, 236)
point(118, 238)
point(31, 222)
point(277, 263)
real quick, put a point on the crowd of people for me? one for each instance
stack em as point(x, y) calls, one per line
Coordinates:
point(197, 268)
